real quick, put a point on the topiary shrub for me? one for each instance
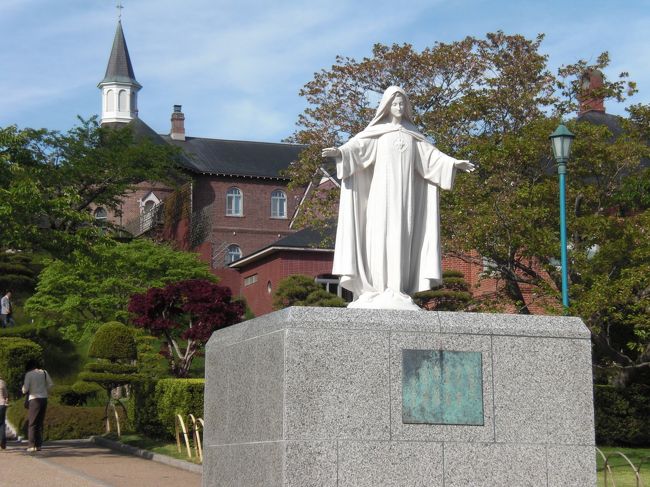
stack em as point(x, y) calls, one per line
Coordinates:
point(14, 354)
point(301, 290)
point(113, 341)
point(452, 295)
point(77, 394)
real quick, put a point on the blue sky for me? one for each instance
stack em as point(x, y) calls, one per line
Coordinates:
point(237, 66)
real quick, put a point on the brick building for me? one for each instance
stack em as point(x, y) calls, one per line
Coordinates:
point(237, 211)
point(237, 200)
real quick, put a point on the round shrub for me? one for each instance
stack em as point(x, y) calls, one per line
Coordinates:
point(14, 354)
point(113, 341)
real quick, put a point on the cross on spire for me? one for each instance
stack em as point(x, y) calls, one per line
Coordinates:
point(119, 8)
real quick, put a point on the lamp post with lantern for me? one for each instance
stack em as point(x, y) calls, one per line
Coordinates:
point(561, 141)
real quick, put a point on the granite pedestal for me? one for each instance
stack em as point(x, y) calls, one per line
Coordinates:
point(313, 397)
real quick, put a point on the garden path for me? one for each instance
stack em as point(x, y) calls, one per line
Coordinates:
point(81, 463)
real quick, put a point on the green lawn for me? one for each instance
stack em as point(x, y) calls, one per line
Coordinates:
point(621, 470)
point(162, 447)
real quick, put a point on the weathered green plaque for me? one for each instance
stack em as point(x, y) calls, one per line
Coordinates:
point(442, 387)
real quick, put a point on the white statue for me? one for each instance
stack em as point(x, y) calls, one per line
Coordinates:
point(388, 235)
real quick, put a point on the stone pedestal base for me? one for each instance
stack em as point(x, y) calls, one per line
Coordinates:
point(313, 397)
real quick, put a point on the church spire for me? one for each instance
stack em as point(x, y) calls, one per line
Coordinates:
point(119, 86)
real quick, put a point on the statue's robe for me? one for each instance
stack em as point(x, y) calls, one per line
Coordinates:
point(388, 235)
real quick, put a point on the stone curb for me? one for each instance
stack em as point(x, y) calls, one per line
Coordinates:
point(156, 457)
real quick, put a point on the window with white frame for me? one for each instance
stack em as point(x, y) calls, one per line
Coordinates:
point(331, 284)
point(234, 202)
point(278, 204)
point(233, 252)
point(110, 101)
point(101, 215)
point(250, 280)
point(122, 105)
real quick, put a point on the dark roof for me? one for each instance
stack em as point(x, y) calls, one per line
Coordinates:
point(612, 122)
point(316, 240)
point(596, 117)
point(119, 63)
point(237, 157)
point(308, 238)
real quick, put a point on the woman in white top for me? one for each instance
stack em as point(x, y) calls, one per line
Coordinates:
point(37, 384)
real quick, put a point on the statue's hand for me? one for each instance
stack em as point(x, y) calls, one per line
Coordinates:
point(331, 152)
point(464, 166)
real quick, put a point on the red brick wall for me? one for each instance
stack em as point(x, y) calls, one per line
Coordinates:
point(255, 229)
point(130, 207)
point(279, 265)
point(276, 267)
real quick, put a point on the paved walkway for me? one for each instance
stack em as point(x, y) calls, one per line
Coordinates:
point(81, 463)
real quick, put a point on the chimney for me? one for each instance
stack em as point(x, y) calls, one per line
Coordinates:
point(178, 124)
point(590, 98)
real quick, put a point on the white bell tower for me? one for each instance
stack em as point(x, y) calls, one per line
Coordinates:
point(119, 86)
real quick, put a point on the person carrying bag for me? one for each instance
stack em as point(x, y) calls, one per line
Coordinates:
point(36, 387)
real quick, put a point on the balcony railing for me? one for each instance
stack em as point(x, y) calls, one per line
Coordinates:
point(147, 220)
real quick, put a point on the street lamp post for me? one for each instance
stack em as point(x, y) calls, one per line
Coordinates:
point(561, 141)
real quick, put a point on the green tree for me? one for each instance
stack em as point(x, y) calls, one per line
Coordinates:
point(611, 291)
point(49, 181)
point(89, 289)
point(494, 101)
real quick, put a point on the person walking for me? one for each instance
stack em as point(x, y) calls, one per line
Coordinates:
point(4, 402)
point(37, 384)
point(6, 311)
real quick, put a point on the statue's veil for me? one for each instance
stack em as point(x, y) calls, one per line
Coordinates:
point(384, 106)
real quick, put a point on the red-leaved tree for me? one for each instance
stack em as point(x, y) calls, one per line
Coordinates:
point(185, 313)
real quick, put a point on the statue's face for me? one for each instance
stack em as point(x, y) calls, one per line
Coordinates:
point(397, 106)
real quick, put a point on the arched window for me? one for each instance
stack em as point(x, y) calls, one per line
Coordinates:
point(278, 204)
point(148, 206)
point(233, 252)
point(234, 202)
point(110, 101)
point(101, 215)
point(122, 105)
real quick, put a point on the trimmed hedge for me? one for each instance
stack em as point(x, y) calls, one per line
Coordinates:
point(60, 356)
point(179, 396)
point(622, 415)
point(78, 394)
point(14, 354)
point(61, 422)
point(113, 341)
point(156, 404)
point(143, 410)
